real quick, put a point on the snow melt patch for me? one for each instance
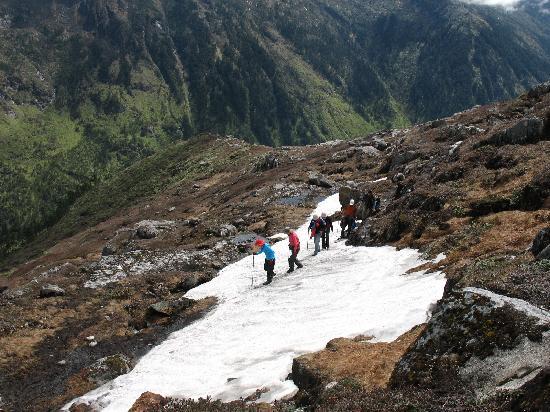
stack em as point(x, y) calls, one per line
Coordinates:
point(250, 339)
point(519, 304)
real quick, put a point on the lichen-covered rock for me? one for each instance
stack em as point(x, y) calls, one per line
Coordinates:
point(270, 161)
point(146, 231)
point(317, 179)
point(149, 229)
point(108, 368)
point(227, 230)
point(48, 291)
point(478, 339)
point(170, 307)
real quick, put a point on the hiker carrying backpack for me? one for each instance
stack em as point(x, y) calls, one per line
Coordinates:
point(294, 246)
point(317, 227)
point(260, 246)
point(349, 213)
point(328, 228)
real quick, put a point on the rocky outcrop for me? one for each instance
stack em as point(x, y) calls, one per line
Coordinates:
point(525, 131)
point(481, 340)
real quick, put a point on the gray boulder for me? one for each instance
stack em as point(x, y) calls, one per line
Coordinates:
point(149, 229)
point(48, 291)
point(170, 307)
point(379, 144)
point(270, 161)
point(147, 232)
point(545, 254)
point(317, 179)
point(227, 230)
point(108, 368)
point(541, 241)
point(108, 250)
point(403, 158)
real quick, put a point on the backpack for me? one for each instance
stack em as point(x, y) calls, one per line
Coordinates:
point(321, 224)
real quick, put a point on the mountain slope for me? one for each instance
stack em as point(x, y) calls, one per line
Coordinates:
point(89, 87)
point(470, 191)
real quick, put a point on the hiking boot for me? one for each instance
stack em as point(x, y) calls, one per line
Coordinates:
point(300, 266)
point(267, 282)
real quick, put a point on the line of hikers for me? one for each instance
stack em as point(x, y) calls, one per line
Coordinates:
point(319, 229)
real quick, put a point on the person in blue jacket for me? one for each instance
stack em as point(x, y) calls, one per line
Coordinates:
point(269, 265)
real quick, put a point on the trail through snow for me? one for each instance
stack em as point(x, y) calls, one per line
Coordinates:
point(249, 340)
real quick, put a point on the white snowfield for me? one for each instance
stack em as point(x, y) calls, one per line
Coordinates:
point(248, 341)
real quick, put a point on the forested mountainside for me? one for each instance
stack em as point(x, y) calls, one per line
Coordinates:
point(88, 87)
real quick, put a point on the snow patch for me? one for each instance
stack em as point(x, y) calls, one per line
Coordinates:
point(250, 339)
point(518, 304)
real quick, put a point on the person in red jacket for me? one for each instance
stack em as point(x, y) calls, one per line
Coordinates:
point(294, 246)
point(349, 213)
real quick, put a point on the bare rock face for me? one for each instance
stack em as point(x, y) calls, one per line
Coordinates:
point(149, 402)
point(525, 131)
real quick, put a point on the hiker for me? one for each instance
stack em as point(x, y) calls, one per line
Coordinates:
point(316, 227)
point(260, 246)
point(294, 246)
point(328, 228)
point(349, 213)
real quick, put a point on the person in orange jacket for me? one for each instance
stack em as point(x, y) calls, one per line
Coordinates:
point(294, 246)
point(349, 214)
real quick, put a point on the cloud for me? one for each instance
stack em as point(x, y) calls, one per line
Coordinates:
point(508, 4)
point(544, 5)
